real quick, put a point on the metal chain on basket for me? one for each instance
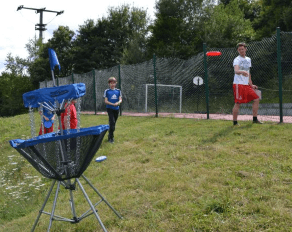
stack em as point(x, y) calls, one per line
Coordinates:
point(78, 129)
point(78, 113)
point(68, 115)
point(41, 110)
point(32, 122)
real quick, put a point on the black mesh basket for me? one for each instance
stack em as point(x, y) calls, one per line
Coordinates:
point(65, 156)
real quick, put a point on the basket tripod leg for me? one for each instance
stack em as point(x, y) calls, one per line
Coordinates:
point(43, 206)
point(108, 204)
point(54, 206)
point(91, 205)
point(72, 204)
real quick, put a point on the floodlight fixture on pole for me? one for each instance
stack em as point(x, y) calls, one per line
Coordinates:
point(40, 26)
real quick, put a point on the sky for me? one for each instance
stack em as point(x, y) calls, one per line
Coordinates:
point(18, 27)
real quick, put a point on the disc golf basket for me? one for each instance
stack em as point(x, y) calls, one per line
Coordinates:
point(62, 155)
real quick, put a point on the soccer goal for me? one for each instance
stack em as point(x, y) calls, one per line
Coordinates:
point(169, 97)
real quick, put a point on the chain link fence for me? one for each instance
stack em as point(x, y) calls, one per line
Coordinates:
point(179, 86)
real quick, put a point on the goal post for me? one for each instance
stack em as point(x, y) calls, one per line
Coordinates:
point(167, 86)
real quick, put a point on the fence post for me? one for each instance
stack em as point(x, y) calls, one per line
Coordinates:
point(280, 73)
point(119, 69)
point(94, 92)
point(155, 87)
point(72, 77)
point(206, 78)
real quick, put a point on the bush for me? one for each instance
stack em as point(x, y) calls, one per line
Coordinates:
point(12, 87)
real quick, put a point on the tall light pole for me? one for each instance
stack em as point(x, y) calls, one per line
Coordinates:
point(40, 27)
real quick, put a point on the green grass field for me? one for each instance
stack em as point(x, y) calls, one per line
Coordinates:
point(163, 174)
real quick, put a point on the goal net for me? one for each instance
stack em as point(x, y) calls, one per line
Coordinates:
point(169, 98)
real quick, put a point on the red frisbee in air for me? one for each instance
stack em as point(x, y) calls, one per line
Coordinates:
point(213, 53)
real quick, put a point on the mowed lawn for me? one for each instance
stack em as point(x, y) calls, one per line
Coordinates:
point(162, 174)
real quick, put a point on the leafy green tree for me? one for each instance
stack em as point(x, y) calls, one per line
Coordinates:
point(226, 26)
point(20, 66)
point(16, 65)
point(12, 87)
point(111, 40)
point(23, 66)
point(118, 38)
point(273, 14)
point(250, 8)
point(32, 61)
point(61, 42)
point(87, 48)
point(136, 49)
point(38, 68)
point(175, 29)
point(32, 48)
point(39, 71)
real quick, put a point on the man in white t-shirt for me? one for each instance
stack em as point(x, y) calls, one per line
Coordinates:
point(243, 88)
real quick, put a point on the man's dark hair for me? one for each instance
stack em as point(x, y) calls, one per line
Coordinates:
point(241, 44)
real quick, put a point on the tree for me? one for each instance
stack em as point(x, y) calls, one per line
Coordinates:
point(37, 68)
point(227, 26)
point(175, 30)
point(87, 49)
point(23, 66)
point(110, 40)
point(136, 49)
point(12, 87)
point(32, 48)
point(16, 65)
point(273, 14)
point(250, 8)
point(61, 42)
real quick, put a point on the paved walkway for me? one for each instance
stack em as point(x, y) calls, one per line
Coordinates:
point(286, 119)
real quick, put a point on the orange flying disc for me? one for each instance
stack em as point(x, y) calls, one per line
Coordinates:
point(213, 53)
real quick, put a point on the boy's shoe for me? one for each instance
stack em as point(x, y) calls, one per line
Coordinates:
point(111, 140)
point(257, 122)
point(235, 124)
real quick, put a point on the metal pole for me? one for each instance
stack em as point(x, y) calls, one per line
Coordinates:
point(103, 199)
point(72, 203)
point(280, 73)
point(146, 97)
point(91, 205)
point(120, 86)
point(54, 206)
point(180, 103)
point(43, 206)
point(94, 92)
point(155, 86)
point(198, 95)
point(41, 27)
point(206, 78)
point(54, 83)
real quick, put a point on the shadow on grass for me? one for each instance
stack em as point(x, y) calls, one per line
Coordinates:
point(225, 132)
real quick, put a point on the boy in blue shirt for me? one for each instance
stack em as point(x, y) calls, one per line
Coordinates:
point(112, 99)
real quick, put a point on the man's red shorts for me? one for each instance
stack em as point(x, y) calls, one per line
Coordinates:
point(244, 93)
